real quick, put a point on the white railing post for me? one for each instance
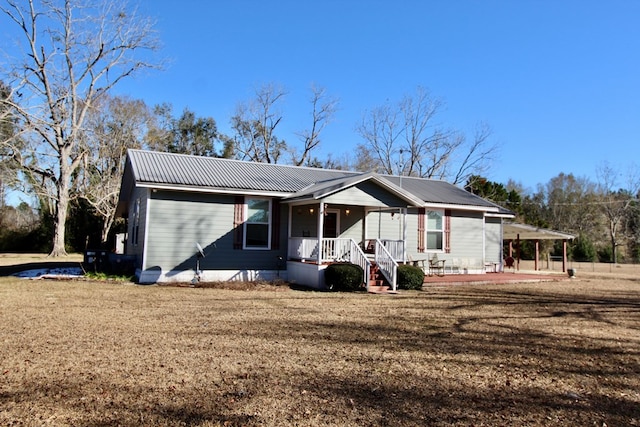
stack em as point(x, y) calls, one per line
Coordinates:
point(386, 262)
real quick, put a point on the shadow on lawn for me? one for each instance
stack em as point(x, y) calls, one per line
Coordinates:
point(9, 270)
point(508, 360)
point(561, 373)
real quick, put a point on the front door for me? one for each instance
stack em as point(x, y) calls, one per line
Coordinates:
point(330, 228)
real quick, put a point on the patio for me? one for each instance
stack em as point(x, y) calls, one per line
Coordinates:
point(492, 278)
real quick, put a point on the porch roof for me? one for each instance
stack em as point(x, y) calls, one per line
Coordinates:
point(324, 189)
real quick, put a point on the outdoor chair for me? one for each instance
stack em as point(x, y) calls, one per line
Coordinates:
point(510, 262)
point(436, 266)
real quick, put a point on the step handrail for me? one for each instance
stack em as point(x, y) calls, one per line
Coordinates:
point(388, 266)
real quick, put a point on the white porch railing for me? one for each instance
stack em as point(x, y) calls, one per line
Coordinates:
point(333, 250)
point(396, 248)
point(303, 248)
point(387, 264)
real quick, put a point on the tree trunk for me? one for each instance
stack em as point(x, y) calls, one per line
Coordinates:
point(106, 227)
point(60, 220)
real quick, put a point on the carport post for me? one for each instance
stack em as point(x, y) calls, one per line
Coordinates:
point(518, 252)
point(537, 243)
point(564, 255)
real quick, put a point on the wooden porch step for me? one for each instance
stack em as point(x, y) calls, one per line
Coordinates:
point(380, 289)
point(377, 282)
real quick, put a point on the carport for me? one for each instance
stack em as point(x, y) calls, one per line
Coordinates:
point(514, 232)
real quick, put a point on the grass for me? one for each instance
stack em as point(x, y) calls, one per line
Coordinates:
point(98, 354)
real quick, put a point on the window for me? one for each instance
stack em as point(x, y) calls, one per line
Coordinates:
point(136, 223)
point(435, 230)
point(257, 227)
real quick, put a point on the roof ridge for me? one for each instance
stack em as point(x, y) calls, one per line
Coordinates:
point(224, 159)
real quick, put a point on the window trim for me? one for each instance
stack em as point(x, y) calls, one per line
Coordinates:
point(427, 230)
point(246, 222)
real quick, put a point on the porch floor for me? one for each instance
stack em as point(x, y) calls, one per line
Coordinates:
point(493, 278)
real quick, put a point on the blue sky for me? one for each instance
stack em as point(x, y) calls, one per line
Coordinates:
point(557, 80)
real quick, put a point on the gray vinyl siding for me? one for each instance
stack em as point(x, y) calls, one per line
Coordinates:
point(493, 240)
point(305, 224)
point(382, 225)
point(365, 194)
point(351, 226)
point(466, 236)
point(179, 220)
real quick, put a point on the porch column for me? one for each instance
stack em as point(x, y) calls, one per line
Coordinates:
point(404, 235)
point(537, 242)
point(564, 255)
point(320, 231)
point(289, 222)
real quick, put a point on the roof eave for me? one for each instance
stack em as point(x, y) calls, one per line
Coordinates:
point(211, 190)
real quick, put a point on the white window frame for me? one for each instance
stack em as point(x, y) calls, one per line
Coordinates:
point(427, 230)
point(247, 223)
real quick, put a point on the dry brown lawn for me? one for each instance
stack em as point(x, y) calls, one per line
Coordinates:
point(98, 354)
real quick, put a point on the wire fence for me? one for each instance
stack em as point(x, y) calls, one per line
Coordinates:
point(555, 265)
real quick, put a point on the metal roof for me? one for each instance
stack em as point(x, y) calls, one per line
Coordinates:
point(513, 231)
point(323, 189)
point(196, 173)
point(437, 191)
point(154, 167)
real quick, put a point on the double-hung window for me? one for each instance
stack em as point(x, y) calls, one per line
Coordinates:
point(435, 230)
point(257, 227)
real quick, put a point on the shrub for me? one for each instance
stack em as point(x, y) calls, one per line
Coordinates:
point(344, 277)
point(410, 277)
point(583, 250)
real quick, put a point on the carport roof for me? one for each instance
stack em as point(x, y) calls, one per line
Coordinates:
point(513, 231)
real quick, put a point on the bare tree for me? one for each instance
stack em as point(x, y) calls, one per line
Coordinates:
point(381, 128)
point(616, 200)
point(255, 126)
point(477, 155)
point(404, 138)
point(323, 107)
point(116, 124)
point(73, 52)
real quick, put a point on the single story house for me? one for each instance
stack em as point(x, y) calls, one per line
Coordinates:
point(200, 218)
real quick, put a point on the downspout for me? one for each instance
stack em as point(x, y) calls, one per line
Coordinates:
point(289, 226)
point(501, 244)
point(484, 238)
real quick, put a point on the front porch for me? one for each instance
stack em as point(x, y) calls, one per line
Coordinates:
point(309, 257)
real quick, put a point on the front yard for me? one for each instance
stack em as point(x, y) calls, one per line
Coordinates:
point(535, 354)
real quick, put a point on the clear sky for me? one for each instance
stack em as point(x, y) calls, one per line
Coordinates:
point(557, 80)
